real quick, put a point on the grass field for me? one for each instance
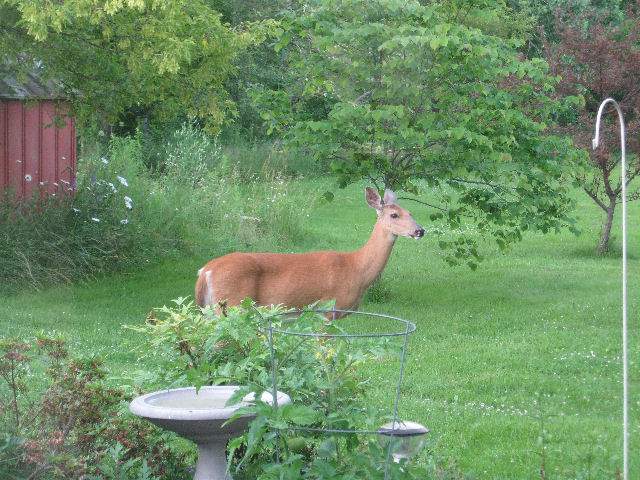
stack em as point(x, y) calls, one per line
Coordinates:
point(513, 366)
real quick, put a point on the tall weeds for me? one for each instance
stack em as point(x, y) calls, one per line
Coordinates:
point(123, 215)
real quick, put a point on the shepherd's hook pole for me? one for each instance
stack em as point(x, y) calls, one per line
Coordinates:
point(625, 365)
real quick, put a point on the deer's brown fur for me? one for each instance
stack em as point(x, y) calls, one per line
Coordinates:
point(298, 280)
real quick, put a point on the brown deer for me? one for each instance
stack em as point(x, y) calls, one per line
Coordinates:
point(300, 279)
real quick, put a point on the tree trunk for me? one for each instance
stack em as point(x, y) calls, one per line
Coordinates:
point(603, 244)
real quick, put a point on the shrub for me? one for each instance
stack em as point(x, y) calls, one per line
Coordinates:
point(62, 420)
point(189, 155)
point(323, 376)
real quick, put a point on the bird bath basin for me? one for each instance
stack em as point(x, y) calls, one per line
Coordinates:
point(200, 417)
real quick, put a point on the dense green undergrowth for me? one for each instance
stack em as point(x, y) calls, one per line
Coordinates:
point(125, 214)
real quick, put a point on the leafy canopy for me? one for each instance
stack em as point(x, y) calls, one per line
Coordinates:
point(160, 58)
point(427, 97)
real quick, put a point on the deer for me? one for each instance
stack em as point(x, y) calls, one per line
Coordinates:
point(296, 280)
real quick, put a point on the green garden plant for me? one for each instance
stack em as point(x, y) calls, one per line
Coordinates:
point(323, 377)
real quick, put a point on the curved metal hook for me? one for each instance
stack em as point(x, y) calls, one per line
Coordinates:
point(596, 139)
point(625, 362)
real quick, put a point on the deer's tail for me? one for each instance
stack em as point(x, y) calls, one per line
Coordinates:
point(204, 288)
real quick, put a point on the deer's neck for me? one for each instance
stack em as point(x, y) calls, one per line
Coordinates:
point(372, 257)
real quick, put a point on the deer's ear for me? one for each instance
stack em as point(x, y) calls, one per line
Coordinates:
point(373, 199)
point(390, 197)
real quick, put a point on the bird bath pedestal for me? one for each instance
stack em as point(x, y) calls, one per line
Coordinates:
point(200, 417)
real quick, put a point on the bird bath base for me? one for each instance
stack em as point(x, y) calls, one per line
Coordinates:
point(200, 417)
point(212, 461)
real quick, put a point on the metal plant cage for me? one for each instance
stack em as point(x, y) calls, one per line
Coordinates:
point(396, 328)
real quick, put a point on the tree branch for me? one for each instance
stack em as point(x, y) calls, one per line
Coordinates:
point(480, 182)
point(423, 203)
point(595, 198)
point(362, 98)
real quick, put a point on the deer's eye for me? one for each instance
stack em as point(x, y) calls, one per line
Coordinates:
point(394, 215)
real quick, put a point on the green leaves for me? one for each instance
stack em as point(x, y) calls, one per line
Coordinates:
point(321, 375)
point(419, 97)
point(165, 59)
point(299, 414)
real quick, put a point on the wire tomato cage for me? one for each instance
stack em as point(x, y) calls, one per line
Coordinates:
point(288, 324)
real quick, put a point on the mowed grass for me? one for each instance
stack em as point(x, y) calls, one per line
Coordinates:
point(513, 367)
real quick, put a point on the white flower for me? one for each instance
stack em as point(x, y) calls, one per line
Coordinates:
point(76, 210)
point(27, 177)
point(128, 202)
point(97, 220)
point(122, 180)
point(124, 221)
point(113, 188)
point(104, 160)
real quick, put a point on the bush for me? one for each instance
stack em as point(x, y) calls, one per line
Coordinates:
point(189, 155)
point(122, 214)
point(323, 377)
point(62, 420)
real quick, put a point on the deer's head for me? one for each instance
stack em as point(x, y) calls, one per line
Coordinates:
point(391, 216)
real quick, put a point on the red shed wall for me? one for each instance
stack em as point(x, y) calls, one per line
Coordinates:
point(34, 153)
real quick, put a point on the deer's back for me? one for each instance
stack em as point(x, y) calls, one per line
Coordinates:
point(294, 280)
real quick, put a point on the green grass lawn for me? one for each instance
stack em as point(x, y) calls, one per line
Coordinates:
point(513, 365)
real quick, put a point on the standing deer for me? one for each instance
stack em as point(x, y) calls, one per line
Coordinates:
point(300, 279)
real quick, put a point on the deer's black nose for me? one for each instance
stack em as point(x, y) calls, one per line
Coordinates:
point(419, 232)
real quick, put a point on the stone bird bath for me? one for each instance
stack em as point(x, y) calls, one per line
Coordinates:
point(200, 417)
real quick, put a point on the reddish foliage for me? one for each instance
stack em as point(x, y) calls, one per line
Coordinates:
point(77, 417)
point(13, 352)
point(601, 61)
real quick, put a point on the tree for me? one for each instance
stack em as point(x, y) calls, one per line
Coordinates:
point(549, 17)
point(160, 58)
point(600, 61)
point(257, 66)
point(428, 97)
